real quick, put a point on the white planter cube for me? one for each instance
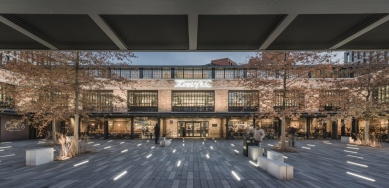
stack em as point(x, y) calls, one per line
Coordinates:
point(36, 157)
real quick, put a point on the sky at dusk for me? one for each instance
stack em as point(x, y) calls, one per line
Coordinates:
point(193, 58)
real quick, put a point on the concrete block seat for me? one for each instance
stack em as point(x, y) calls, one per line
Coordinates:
point(274, 165)
point(280, 170)
point(254, 152)
point(40, 156)
point(164, 143)
point(275, 156)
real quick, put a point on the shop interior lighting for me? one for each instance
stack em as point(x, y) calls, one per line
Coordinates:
point(207, 156)
point(96, 145)
point(6, 147)
point(255, 164)
point(120, 175)
point(311, 145)
point(7, 155)
point(124, 150)
point(179, 162)
point(349, 162)
point(350, 151)
point(354, 156)
point(306, 147)
point(81, 163)
point(174, 150)
point(236, 176)
point(359, 176)
point(352, 148)
point(107, 147)
point(236, 151)
point(148, 156)
point(90, 142)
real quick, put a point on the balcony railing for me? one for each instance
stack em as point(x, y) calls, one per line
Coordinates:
point(193, 109)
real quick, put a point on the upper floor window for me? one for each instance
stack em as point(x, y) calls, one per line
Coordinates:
point(143, 101)
point(381, 95)
point(193, 101)
point(242, 101)
point(6, 100)
point(331, 99)
point(293, 99)
point(98, 101)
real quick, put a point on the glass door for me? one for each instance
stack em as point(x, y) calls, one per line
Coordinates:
point(189, 129)
point(196, 129)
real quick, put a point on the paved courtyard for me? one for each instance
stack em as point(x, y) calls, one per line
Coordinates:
point(185, 163)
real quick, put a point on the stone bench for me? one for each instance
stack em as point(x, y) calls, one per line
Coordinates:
point(280, 170)
point(263, 162)
point(346, 140)
point(254, 152)
point(36, 157)
point(275, 166)
point(164, 143)
point(275, 156)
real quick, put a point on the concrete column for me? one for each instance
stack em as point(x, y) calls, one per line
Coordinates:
point(308, 134)
point(132, 127)
point(105, 129)
point(226, 127)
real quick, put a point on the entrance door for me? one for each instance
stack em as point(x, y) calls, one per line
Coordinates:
point(196, 129)
point(189, 129)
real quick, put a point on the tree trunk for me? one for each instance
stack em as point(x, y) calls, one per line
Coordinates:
point(367, 130)
point(283, 145)
point(54, 132)
point(76, 105)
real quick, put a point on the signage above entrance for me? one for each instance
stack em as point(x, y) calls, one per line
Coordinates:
point(193, 84)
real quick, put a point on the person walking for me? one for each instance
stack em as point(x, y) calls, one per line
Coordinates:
point(292, 132)
point(259, 134)
point(156, 133)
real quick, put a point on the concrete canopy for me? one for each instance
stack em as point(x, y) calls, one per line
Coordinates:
point(189, 25)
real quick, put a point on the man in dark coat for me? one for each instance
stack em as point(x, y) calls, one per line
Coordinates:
point(156, 133)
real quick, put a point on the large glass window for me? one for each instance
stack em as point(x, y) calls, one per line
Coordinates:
point(207, 73)
point(219, 73)
point(331, 99)
point(382, 94)
point(147, 73)
point(143, 101)
point(98, 101)
point(144, 127)
point(193, 101)
point(293, 99)
point(167, 73)
point(242, 101)
point(6, 101)
point(229, 74)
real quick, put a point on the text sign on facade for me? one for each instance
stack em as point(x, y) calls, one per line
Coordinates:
point(193, 84)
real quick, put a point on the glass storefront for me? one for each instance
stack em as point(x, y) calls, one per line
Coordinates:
point(237, 128)
point(144, 126)
point(193, 128)
point(119, 128)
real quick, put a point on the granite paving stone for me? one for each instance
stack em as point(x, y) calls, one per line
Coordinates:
point(148, 165)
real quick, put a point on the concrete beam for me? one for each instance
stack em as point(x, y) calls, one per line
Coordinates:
point(104, 27)
point(278, 31)
point(361, 32)
point(27, 33)
point(192, 28)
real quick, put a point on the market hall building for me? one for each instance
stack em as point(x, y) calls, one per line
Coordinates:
point(187, 101)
